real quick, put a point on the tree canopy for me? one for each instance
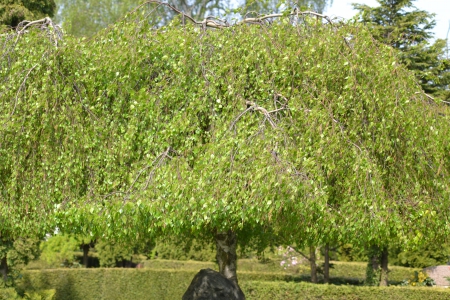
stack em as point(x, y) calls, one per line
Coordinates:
point(85, 18)
point(12, 12)
point(400, 24)
point(289, 122)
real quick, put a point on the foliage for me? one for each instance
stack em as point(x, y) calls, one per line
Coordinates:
point(18, 253)
point(399, 24)
point(419, 278)
point(424, 256)
point(372, 275)
point(59, 251)
point(348, 252)
point(184, 249)
point(271, 6)
point(86, 18)
point(182, 129)
point(11, 294)
point(12, 12)
point(110, 254)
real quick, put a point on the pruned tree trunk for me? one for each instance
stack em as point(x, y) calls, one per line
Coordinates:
point(384, 267)
point(373, 267)
point(312, 261)
point(226, 243)
point(377, 269)
point(375, 262)
point(326, 264)
point(85, 248)
point(4, 269)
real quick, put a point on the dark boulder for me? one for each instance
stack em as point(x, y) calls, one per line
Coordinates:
point(211, 285)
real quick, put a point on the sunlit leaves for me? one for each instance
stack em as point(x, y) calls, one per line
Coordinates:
point(179, 129)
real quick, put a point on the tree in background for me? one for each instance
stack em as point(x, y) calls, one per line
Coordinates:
point(400, 24)
point(273, 6)
point(60, 251)
point(12, 12)
point(14, 256)
point(85, 18)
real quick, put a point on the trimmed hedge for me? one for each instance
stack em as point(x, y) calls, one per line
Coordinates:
point(307, 291)
point(341, 273)
point(118, 284)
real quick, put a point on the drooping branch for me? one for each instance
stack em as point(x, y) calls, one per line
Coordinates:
point(217, 23)
point(20, 88)
point(156, 163)
point(45, 23)
point(252, 106)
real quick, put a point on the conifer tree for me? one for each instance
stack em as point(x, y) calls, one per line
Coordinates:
point(400, 24)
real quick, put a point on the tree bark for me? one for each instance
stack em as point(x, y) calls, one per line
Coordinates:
point(375, 262)
point(4, 269)
point(226, 243)
point(85, 254)
point(312, 261)
point(372, 272)
point(384, 267)
point(326, 264)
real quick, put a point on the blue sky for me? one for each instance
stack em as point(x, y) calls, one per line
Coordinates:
point(343, 8)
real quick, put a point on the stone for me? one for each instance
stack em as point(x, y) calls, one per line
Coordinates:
point(211, 285)
point(439, 274)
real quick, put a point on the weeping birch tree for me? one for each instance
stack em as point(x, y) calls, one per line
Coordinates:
point(287, 122)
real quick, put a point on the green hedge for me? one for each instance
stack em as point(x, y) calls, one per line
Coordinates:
point(117, 284)
point(109, 284)
point(307, 291)
point(342, 272)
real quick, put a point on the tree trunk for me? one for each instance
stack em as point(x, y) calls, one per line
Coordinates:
point(4, 269)
point(85, 254)
point(312, 260)
point(384, 267)
point(226, 243)
point(326, 264)
point(372, 272)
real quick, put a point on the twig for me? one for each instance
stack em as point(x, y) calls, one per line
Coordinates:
point(45, 21)
point(158, 160)
point(426, 95)
point(218, 23)
point(255, 107)
point(20, 88)
point(238, 117)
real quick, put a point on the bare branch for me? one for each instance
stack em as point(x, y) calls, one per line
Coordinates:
point(238, 117)
point(43, 23)
point(218, 23)
point(155, 163)
point(255, 107)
